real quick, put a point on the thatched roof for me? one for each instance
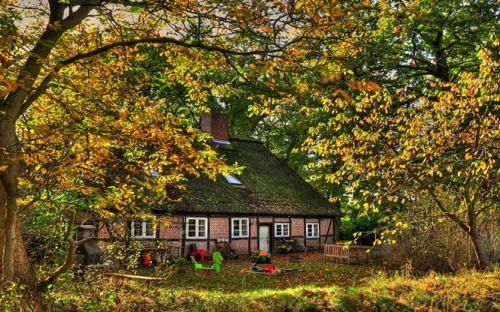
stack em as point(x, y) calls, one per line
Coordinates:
point(269, 187)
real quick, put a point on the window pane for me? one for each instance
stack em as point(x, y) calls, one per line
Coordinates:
point(285, 229)
point(201, 227)
point(149, 229)
point(278, 230)
point(137, 228)
point(244, 227)
point(191, 225)
point(191, 232)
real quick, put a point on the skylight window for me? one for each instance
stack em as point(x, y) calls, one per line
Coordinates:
point(218, 141)
point(155, 173)
point(231, 179)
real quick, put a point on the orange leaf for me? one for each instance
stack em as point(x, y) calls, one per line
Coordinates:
point(354, 84)
point(373, 86)
point(11, 85)
point(342, 93)
point(267, 29)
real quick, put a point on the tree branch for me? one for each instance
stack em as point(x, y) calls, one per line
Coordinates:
point(447, 213)
point(164, 40)
point(70, 256)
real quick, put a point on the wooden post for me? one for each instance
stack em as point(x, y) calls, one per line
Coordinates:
point(249, 235)
point(305, 236)
point(258, 234)
point(328, 231)
point(319, 232)
point(183, 242)
point(208, 233)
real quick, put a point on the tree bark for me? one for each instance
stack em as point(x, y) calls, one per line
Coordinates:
point(9, 159)
point(483, 263)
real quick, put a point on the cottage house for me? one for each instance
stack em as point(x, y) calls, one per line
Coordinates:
point(266, 204)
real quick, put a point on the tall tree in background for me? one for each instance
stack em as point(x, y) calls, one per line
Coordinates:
point(395, 64)
point(432, 131)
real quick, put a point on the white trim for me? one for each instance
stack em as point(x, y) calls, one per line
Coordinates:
point(282, 225)
point(314, 230)
point(196, 228)
point(240, 220)
point(143, 225)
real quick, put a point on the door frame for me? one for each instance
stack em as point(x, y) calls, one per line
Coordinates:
point(271, 236)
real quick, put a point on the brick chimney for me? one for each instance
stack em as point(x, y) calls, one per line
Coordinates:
point(216, 124)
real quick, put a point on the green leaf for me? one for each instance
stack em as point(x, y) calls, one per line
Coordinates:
point(136, 9)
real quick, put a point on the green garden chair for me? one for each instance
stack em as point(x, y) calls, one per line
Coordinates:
point(215, 267)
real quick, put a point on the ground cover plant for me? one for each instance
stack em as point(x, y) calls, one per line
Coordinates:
point(323, 286)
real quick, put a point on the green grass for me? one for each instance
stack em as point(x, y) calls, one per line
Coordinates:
point(321, 287)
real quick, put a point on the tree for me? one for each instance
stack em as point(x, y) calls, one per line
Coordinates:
point(442, 145)
point(33, 58)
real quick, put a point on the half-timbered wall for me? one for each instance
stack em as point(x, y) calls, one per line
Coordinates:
point(172, 232)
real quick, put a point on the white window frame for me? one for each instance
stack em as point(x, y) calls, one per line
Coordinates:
point(197, 228)
point(240, 221)
point(143, 225)
point(282, 225)
point(314, 228)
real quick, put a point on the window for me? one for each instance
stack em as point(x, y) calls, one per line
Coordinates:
point(196, 227)
point(232, 179)
point(142, 229)
point(312, 230)
point(154, 173)
point(281, 229)
point(217, 141)
point(239, 227)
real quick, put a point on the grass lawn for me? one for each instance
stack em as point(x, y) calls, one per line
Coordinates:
point(320, 287)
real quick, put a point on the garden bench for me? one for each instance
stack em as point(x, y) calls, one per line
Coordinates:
point(335, 252)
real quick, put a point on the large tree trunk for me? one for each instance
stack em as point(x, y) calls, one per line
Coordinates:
point(12, 250)
point(13, 254)
point(23, 270)
point(483, 263)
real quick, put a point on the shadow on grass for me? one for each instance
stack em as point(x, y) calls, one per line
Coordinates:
point(237, 276)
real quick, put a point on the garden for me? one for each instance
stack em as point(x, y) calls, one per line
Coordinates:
point(316, 286)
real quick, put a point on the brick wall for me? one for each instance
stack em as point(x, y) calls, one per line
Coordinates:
point(171, 230)
point(219, 228)
point(216, 124)
point(297, 227)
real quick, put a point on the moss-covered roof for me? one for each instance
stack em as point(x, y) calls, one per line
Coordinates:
point(270, 187)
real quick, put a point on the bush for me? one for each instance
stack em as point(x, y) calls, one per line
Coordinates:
point(365, 225)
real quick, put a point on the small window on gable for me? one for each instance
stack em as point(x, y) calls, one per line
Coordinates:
point(142, 229)
point(282, 229)
point(312, 230)
point(231, 179)
point(239, 227)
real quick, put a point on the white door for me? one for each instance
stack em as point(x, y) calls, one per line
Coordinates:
point(264, 237)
